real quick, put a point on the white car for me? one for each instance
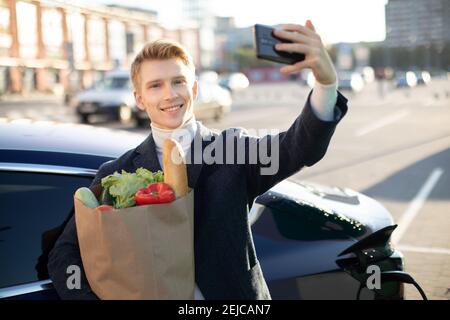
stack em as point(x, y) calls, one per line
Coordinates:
point(212, 101)
point(234, 81)
point(350, 81)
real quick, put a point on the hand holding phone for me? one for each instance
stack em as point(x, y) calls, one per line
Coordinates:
point(265, 42)
point(298, 46)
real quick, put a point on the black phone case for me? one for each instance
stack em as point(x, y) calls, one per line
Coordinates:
point(265, 46)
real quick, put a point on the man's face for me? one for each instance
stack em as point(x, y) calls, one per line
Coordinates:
point(166, 92)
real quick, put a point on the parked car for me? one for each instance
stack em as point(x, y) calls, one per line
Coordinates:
point(234, 81)
point(367, 73)
point(350, 81)
point(312, 241)
point(423, 77)
point(212, 102)
point(209, 76)
point(111, 96)
point(405, 79)
point(307, 78)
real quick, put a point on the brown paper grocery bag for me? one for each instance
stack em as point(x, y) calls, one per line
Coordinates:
point(143, 252)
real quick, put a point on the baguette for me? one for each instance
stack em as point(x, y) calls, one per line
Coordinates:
point(175, 172)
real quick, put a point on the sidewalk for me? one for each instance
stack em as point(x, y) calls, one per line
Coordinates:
point(28, 97)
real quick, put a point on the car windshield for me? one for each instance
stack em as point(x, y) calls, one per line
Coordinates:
point(113, 83)
point(205, 91)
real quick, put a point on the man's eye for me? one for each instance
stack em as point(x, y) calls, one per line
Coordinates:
point(156, 85)
point(180, 81)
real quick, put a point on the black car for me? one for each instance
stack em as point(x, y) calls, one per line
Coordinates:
point(111, 96)
point(313, 242)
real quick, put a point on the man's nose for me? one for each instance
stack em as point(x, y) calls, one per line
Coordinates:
point(169, 92)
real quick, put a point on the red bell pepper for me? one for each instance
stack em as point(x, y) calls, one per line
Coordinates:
point(104, 207)
point(157, 192)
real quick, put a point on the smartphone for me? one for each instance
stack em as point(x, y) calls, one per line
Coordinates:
point(265, 42)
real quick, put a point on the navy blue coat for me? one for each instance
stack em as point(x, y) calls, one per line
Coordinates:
point(226, 265)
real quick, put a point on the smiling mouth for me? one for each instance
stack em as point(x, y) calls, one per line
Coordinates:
point(172, 108)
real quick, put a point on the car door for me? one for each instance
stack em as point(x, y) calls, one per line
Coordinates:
point(35, 203)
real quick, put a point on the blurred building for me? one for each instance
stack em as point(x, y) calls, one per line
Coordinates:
point(52, 45)
point(197, 10)
point(410, 23)
point(199, 13)
point(228, 40)
point(219, 37)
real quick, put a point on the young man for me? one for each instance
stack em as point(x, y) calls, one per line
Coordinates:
point(226, 265)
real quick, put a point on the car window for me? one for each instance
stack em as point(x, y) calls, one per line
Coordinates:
point(111, 83)
point(204, 92)
point(32, 207)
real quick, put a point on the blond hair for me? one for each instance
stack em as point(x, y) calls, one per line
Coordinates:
point(162, 49)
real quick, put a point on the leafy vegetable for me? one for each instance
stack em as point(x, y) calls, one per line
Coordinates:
point(123, 186)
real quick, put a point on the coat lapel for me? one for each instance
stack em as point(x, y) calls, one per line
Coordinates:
point(195, 154)
point(147, 156)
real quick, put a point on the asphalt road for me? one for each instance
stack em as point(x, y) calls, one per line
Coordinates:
point(394, 147)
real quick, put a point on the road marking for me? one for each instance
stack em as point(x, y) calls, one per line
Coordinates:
point(416, 204)
point(382, 122)
point(423, 249)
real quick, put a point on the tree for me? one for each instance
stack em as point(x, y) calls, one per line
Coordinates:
point(246, 58)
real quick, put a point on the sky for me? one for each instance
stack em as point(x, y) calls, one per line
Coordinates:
point(335, 21)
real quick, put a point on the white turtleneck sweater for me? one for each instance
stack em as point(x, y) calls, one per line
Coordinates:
point(323, 100)
point(184, 135)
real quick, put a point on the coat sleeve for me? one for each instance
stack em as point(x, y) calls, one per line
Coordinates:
point(303, 144)
point(66, 252)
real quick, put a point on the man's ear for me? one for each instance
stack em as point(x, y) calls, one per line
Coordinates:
point(138, 99)
point(195, 89)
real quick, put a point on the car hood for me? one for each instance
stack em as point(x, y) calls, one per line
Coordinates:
point(304, 226)
point(352, 204)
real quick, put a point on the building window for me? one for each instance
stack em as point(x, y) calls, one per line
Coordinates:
point(27, 32)
point(52, 33)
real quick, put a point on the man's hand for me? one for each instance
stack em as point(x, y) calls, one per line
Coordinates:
point(307, 41)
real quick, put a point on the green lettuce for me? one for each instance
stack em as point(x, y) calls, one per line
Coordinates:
point(123, 186)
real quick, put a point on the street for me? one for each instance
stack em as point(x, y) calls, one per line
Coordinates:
point(394, 148)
